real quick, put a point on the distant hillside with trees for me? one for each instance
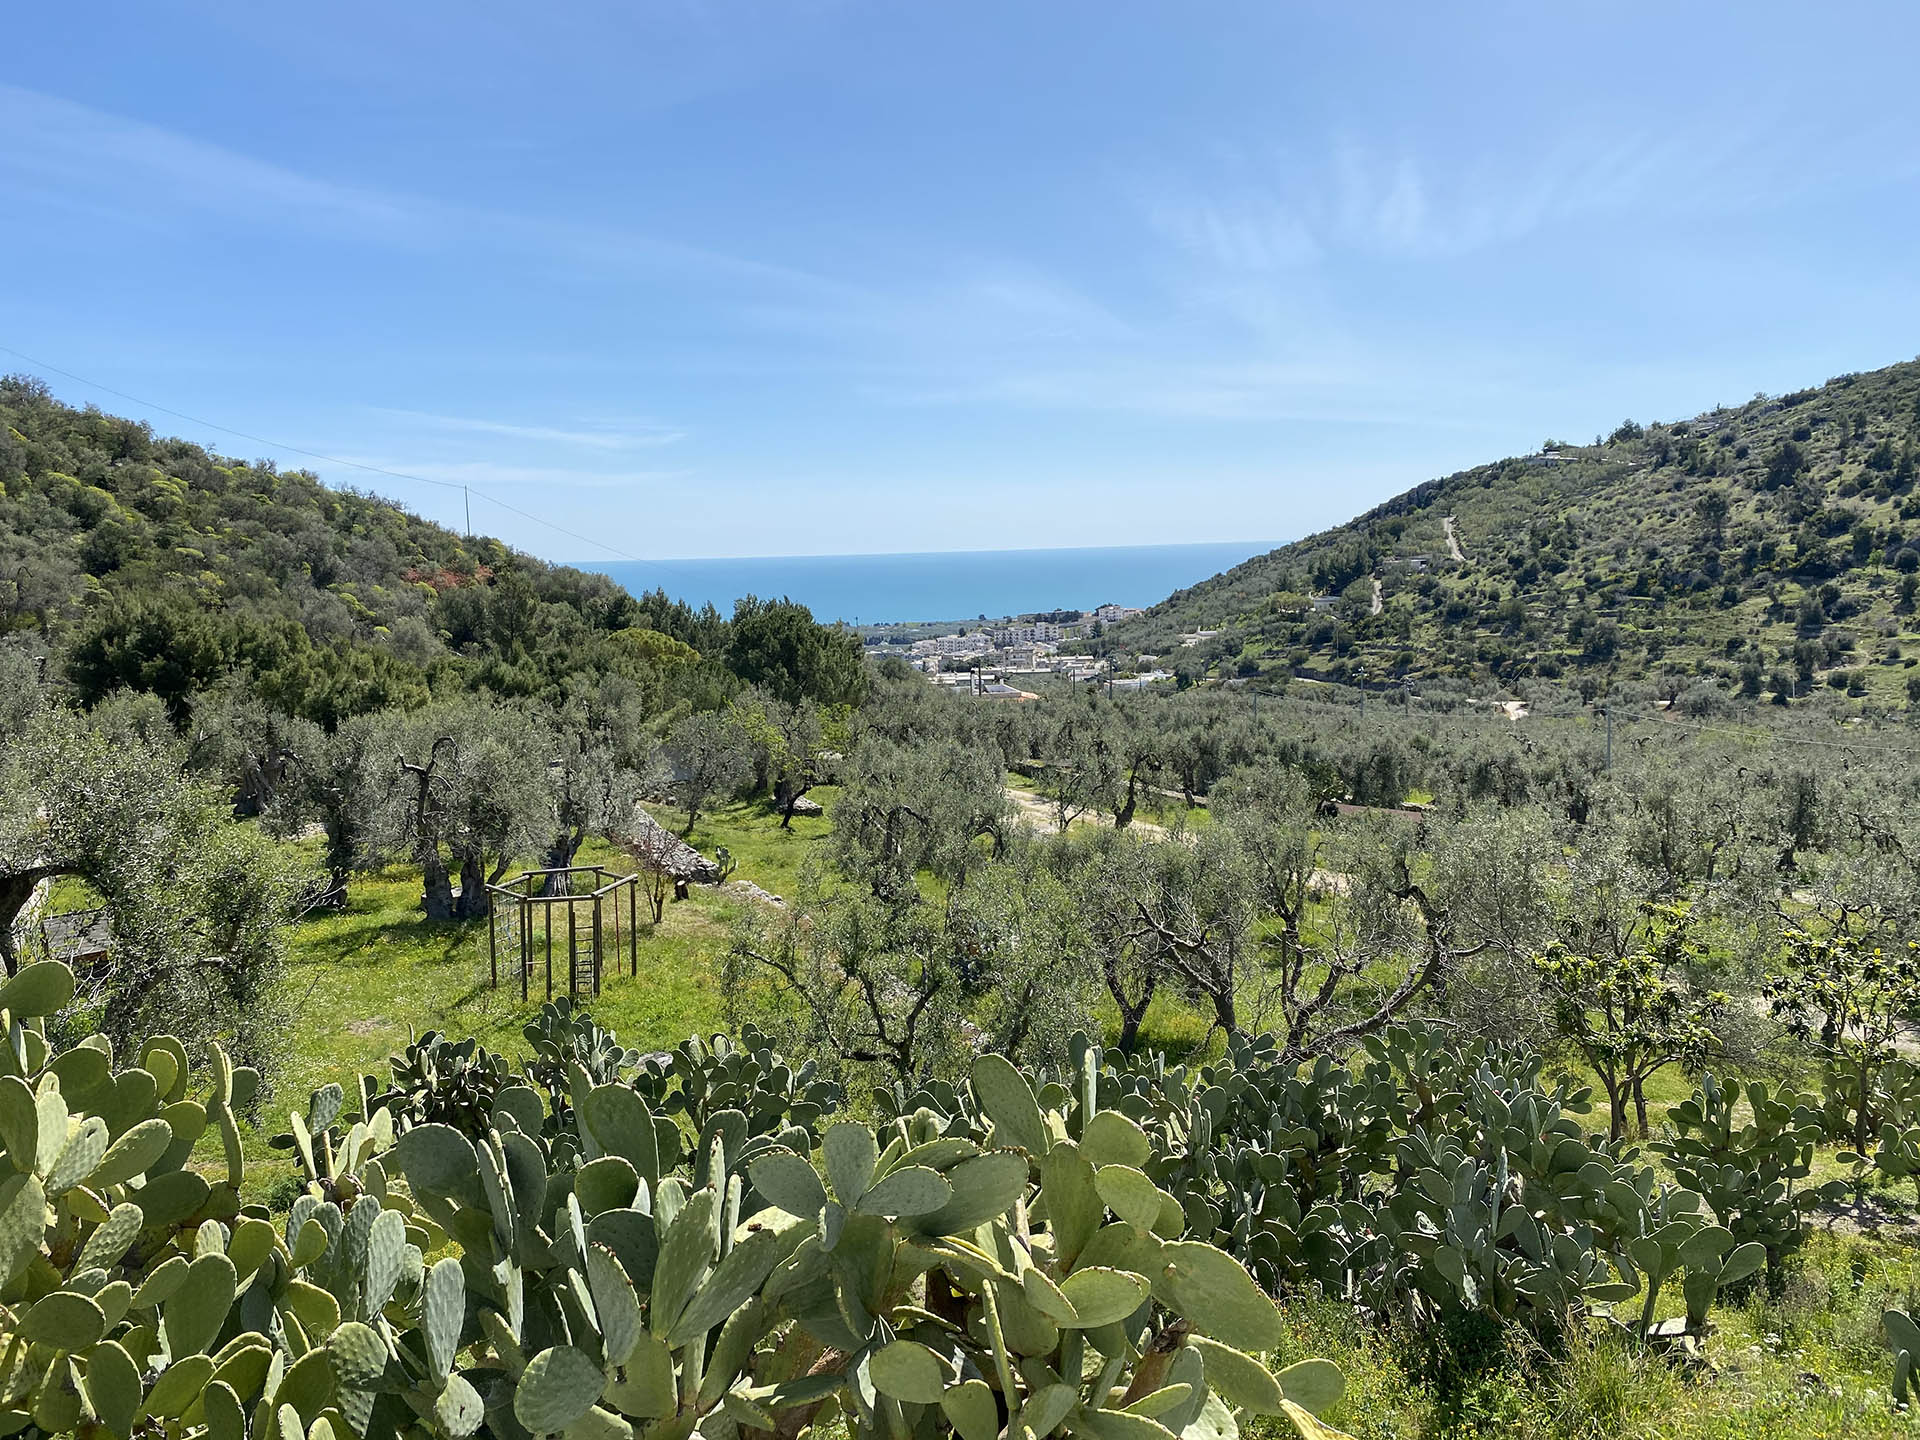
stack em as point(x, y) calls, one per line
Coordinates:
point(1767, 548)
point(153, 565)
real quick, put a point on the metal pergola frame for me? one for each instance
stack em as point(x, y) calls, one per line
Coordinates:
point(525, 892)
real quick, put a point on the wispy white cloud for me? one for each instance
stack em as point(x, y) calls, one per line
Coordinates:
point(992, 306)
point(1243, 231)
point(498, 474)
point(156, 176)
point(57, 142)
point(1252, 390)
point(1244, 210)
point(593, 435)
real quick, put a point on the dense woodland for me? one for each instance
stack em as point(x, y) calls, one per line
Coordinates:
point(1138, 1052)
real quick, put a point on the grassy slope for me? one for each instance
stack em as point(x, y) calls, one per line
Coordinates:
point(1576, 539)
point(360, 983)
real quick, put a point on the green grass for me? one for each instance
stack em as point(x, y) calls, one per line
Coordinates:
point(750, 829)
point(358, 983)
point(361, 983)
point(1805, 1362)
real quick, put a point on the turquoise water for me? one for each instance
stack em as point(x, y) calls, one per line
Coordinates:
point(947, 585)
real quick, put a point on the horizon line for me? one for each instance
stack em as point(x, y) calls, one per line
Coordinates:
point(921, 554)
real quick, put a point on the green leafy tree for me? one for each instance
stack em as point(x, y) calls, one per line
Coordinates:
point(794, 743)
point(1634, 1012)
point(468, 790)
point(936, 806)
point(161, 644)
point(196, 905)
point(1845, 997)
point(710, 759)
point(872, 978)
point(777, 645)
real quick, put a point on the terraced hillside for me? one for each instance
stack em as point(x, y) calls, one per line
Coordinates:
point(1771, 548)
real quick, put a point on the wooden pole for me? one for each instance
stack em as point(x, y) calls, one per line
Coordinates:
point(572, 943)
point(526, 942)
point(493, 944)
point(633, 924)
point(596, 942)
point(549, 949)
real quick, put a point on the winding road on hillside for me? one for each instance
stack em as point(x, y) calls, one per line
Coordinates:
point(1453, 540)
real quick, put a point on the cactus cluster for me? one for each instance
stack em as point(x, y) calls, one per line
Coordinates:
point(564, 1035)
point(1427, 1179)
point(702, 1078)
point(436, 1080)
point(599, 1276)
point(139, 1295)
point(1747, 1166)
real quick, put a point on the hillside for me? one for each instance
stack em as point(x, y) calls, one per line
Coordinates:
point(153, 564)
point(1770, 547)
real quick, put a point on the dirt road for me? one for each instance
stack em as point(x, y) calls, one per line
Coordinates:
point(1040, 810)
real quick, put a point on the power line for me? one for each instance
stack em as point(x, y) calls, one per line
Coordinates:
point(337, 460)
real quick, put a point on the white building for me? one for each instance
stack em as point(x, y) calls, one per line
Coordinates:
point(1036, 632)
point(959, 647)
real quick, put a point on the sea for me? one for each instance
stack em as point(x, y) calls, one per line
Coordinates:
point(939, 585)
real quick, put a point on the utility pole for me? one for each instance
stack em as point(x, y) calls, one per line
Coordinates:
point(467, 495)
point(1607, 710)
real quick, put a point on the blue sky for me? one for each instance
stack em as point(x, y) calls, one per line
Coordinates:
point(743, 279)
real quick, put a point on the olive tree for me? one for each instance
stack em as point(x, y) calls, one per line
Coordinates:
point(709, 758)
point(598, 776)
point(468, 791)
point(196, 905)
point(937, 806)
point(794, 743)
point(872, 978)
point(1093, 866)
point(1331, 934)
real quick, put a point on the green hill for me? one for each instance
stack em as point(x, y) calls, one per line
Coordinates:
point(1770, 547)
point(139, 562)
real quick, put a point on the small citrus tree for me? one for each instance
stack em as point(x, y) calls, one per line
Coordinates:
point(1636, 1013)
point(1844, 998)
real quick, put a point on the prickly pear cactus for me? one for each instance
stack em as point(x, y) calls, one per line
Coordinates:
point(442, 1081)
point(564, 1035)
point(1903, 1339)
point(139, 1295)
point(702, 1078)
point(1747, 1164)
point(1032, 1282)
